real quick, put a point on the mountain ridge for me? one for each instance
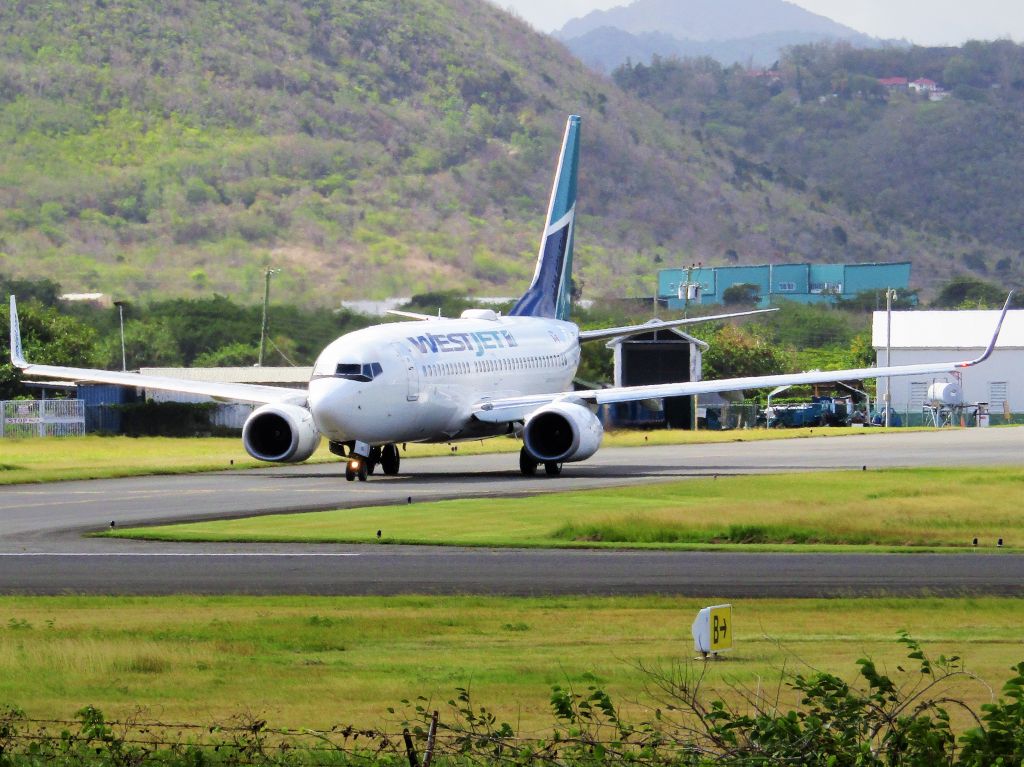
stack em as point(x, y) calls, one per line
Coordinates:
point(745, 31)
point(707, 19)
point(371, 148)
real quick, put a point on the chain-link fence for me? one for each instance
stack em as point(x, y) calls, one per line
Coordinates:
point(42, 418)
point(727, 416)
point(954, 417)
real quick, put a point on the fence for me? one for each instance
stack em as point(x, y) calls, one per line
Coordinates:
point(42, 418)
point(925, 417)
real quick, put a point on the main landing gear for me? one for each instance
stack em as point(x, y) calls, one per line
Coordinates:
point(528, 465)
point(360, 468)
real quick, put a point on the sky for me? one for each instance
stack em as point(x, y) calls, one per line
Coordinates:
point(925, 22)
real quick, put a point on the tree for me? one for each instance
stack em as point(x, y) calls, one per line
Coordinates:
point(46, 292)
point(802, 326)
point(232, 355)
point(47, 337)
point(972, 293)
point(874, 301)
point(451, 303)
point(148, 343)
point(736, 352)
point(742, 294)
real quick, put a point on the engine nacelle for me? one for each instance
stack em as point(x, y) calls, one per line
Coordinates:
point(562, 432)
point(280, 434)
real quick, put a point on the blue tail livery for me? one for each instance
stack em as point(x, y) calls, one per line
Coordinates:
point(550, 293)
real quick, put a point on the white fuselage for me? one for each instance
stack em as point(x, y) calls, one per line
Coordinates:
point(419, 381)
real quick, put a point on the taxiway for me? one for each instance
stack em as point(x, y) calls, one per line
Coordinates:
point(43, 548)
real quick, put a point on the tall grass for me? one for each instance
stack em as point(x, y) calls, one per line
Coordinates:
point(316, 661)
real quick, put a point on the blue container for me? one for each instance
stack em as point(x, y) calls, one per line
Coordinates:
point(102, 414)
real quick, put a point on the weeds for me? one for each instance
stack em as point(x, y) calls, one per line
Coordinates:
point(877, 721)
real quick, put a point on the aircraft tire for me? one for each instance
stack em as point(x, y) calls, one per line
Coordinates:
point(552, 468)
point(363, 471)
point(390, 460)
point(350, 473)
point(527, 463)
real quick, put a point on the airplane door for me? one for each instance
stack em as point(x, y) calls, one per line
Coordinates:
point(412, 373)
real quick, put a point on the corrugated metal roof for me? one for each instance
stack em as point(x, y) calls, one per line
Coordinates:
point(949, 330)
point(253, 375)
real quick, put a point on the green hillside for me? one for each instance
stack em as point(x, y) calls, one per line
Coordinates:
point(367, 147)
point(951, 163)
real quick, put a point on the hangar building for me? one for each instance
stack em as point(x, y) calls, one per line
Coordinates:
point(661, 356)
point(937, 336)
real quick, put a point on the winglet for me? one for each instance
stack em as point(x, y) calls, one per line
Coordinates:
point(995, 336)
point(17, 357)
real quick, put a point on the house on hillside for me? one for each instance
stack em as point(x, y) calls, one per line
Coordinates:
point(893, 82)
point(939, 336)
point(924, 85)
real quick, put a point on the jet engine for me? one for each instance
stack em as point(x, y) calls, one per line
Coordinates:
point(280, 434)
point(562, 432)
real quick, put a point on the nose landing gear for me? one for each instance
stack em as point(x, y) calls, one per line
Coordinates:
point(359, 467)
point(356, 467)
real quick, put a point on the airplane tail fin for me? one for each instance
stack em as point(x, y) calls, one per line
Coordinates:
point(550, 293)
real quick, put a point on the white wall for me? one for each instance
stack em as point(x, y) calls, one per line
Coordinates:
point(1004, 366)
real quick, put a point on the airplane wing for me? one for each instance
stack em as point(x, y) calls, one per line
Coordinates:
point(415, 315)
point(228, 392)
point(647, 327)
point(511, 409)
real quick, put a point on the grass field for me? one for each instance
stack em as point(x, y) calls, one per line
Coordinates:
point(888, 509)
point(314, 662)
point(93, 457)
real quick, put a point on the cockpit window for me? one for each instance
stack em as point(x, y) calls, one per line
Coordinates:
point(354, 372)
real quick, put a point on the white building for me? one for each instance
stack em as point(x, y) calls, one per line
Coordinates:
point(230, 415)
point(937, 336)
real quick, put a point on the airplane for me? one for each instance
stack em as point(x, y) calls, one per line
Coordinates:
point(449, 379)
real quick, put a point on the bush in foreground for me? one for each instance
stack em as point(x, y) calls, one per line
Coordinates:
point(875, 721)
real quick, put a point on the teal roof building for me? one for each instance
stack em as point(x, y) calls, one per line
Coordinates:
point(804, 283)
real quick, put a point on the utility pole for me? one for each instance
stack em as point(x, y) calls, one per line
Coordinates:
point(120, 315)
point(689, 290)
point(686, 293)
point(890, 294)
point(265, 328)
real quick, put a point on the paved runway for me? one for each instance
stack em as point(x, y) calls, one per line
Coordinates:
point(43, 551)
